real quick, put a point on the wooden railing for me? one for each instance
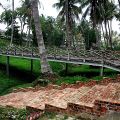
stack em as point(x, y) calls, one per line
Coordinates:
point(111, 58)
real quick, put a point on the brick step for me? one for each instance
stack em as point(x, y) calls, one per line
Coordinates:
point(60, 102)
point(58, 99)
point(86, 102)
point(67, 99)
point(111, 93)
point(16, 100)
point(40, 99)
point(109, 99)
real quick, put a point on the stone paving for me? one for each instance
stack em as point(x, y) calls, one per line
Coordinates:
point(57, 99)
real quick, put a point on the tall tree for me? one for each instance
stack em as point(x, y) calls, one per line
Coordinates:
point(22, 18)
point(45, 67)
point(6, 17)
point(101, 11)
point(69, 11)
point(12, 25)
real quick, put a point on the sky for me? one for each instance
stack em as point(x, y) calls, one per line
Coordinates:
point(47, 10)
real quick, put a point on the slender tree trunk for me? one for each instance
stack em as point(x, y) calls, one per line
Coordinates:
point(45, 67)
point(110, 34)
point(106, 33)
point(22, 29)
point(68, 28)
point(97, 29)
point(119, 2)
point(29, 31)
point(27, 36)
point(12, 25)
point(104, 36)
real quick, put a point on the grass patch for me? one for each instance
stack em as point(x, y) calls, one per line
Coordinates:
point(71, 80)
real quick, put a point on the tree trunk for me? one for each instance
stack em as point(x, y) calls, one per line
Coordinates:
point(105, 42)
point(22, 29)
point(97, 37)
point(29, 28)
point(119, 2)
point(12, 25)
point(68, 28)
point(110, 33)
point(107, 39)
point(45, 67)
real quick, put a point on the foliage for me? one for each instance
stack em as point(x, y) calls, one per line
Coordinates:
point(88, 33)
point(16, 34)
point(51, 33)
point(6, 17)
point(12, 114)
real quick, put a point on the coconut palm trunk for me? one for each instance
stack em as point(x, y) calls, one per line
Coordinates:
point(68, 26)
point(45, 67)
point(119, 2)
point(12, 25)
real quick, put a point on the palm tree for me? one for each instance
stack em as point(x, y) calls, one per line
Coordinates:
point(45, 67)
point(22, 18)
point(6, 17)
point(12, 24)
point(100, 12)
point(29, 20)
point(25, 16)
point(69, 11)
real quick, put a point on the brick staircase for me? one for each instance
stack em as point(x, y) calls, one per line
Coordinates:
point(92, 98)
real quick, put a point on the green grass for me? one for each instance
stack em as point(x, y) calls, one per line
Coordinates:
point(24, 64)
point(20, 75)
point(7, 83)
point(71, 80)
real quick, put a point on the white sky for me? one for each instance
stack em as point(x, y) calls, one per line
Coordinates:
point(47, 10)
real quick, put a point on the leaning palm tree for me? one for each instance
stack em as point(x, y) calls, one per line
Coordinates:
point(45, 67)
point(69, 11)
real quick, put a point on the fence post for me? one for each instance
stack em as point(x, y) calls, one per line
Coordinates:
point(31, 66)
point(102, 67)
point(7, 65)
point(68, 50)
